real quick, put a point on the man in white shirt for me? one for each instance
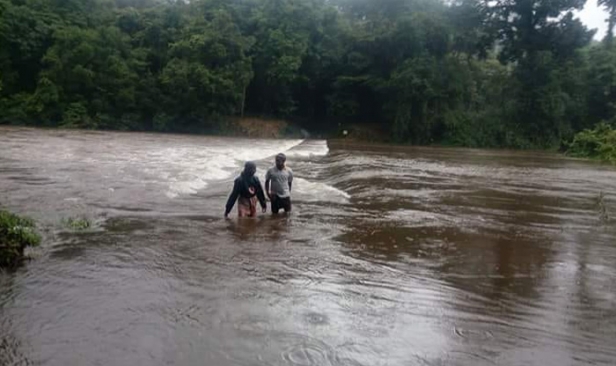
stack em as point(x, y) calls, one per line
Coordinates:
point(278, 183)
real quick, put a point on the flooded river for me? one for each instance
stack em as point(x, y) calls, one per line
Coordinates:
point(392, 256)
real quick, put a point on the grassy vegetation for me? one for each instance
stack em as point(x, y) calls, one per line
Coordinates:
point(77, 223)
point(16, 233)
point(604, 213)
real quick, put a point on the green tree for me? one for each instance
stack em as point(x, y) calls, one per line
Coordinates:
point(282, 33)
point(601, 84)
point(610, 7)
point(540, 36)
point(209, 70)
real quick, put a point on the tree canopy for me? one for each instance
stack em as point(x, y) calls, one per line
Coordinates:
point(515, 73)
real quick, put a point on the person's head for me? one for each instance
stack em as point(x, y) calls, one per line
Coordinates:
point(280, 161)
point(250, 169)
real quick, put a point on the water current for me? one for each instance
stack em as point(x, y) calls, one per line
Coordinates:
point(392, 256)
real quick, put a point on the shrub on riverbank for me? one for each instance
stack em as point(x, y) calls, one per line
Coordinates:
point(16, 233)
point(599, 143)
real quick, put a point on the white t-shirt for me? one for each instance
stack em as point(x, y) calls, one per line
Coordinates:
point(279, 181)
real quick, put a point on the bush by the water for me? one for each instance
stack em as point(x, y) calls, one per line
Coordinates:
point(16, 233)
point(599, 143)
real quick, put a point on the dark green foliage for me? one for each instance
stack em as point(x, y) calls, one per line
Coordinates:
point(508, 73)
point(599, 143)
point(601, 84)
point(16, 233)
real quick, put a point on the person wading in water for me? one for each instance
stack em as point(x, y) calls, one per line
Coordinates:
point(246, 189)
point(281, 179)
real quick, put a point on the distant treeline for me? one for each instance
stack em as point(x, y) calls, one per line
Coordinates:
point(505, 73)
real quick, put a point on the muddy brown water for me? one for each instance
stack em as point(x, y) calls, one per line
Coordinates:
point(392, 256)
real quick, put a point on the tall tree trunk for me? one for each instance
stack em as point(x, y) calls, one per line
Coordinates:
point(610, 27)
point(242, 106)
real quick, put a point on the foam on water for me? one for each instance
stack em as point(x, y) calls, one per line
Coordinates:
point(310, 191)
point(150, 166)
point(195, 167)
point(308, 149)
point(319, 192)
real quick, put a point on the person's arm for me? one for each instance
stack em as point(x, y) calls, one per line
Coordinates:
point(290, 179)
point(232, 197)
point(268, 178)
point(260, 194)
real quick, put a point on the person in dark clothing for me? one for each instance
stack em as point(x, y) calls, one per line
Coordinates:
point(246, 190)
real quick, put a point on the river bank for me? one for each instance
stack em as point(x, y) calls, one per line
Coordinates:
point(598, 144)
point(265, 127)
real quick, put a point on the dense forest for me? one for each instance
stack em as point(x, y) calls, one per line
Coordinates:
point(503, 73)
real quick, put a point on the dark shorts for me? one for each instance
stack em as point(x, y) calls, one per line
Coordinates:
point(278, 203)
